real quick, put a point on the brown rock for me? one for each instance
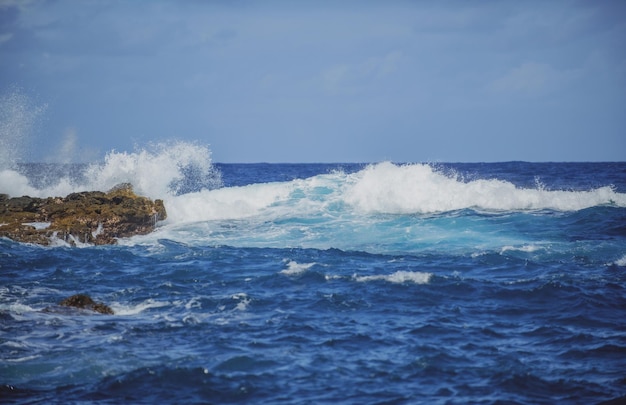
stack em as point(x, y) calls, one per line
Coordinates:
point(84, 301)
point(87, 217)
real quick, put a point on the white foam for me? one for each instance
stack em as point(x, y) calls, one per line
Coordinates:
point(224, 203)
point(294, 268)
point(155, 171)
point(120, 309)
point(98, 230)
point(418, 188)
point(58, 242)
point(384, 188)
point(340, 210)
point(73, 241)
point(523, 248)
point(399, 277)
point(38, 225)
point(243, 299)
point(193, 303)
point(159, 171)
point(17, 308)
point(621, 262)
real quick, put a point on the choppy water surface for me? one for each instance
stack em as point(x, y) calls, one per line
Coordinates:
point(388, 283)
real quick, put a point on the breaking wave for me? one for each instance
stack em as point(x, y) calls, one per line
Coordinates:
point(383, 188)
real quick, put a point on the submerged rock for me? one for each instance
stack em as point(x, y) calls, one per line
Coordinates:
point(84, 301)
point(86, 217)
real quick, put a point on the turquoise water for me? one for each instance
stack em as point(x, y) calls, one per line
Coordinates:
point(345, 283)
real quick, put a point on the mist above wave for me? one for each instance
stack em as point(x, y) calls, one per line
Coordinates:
point(159, 171)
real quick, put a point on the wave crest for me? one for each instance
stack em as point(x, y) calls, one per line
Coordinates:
point(420, 189)
point(161, 171)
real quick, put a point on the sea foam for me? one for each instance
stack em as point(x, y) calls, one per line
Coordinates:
point(121, 309)
point(294, 268)
point(383, 188)
point(399, 277)
point(159, 171)
point(621, 262)
point(419, 189)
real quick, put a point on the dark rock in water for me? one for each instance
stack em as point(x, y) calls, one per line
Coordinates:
point(84, 301)
point(85, 217)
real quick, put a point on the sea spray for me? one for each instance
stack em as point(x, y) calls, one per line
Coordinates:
point(157, 170)
point(160, 171)
point(383, 188)
point(226, 203)
point(19, 116)
point(382, 207)
point(306, 296)
point(18, 119)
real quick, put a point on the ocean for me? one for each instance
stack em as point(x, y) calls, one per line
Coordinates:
point(382, 283)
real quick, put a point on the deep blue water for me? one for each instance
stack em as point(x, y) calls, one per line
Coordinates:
point(335, 283)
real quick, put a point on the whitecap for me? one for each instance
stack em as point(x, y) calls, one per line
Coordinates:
point(523, 248)
point(243, 299)
point(294, 268)
point(420, 189)
point(120, 309)
point(399, 277)
point(621, 262)
point(17, 308)
point(163, 170)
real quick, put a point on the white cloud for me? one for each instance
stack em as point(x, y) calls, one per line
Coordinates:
point(532, 79)
point(5, 37)
point(15, 3)
point(334, 77)
point(344, 76)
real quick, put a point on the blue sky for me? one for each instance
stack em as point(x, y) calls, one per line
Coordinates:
point(322, 81)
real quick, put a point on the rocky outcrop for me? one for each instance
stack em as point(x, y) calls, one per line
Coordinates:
point(91, 217)
point(84, 301)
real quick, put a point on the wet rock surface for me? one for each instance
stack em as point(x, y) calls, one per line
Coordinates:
point(83, 301)
point(91, 217)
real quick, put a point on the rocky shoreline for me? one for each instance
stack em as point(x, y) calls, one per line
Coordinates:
point(91, 217)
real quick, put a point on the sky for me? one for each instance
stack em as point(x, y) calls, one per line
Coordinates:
point(317, 81)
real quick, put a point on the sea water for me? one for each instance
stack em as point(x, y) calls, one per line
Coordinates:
point(326, 283)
